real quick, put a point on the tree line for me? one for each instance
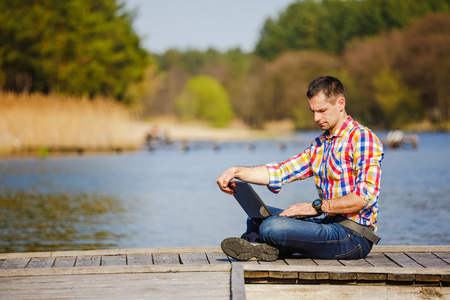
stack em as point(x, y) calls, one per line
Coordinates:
point(329, 25)
point(77, 47)
point(392, 55)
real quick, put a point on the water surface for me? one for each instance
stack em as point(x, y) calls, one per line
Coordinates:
point(169, 198)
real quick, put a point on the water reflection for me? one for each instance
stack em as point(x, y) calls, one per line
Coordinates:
point(41, 222)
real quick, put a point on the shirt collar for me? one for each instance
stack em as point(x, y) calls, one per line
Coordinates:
point(345, 127)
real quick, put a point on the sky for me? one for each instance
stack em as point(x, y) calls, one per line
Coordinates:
point(201, 24)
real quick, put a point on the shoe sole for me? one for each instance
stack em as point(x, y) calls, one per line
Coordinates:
point(243, 250)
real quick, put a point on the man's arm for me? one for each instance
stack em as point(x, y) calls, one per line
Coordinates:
point(255, 175)
point(349, 203)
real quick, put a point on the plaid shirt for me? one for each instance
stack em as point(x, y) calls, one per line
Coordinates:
point(348, 161)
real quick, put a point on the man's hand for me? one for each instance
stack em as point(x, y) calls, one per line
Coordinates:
point(255, 175)
point(224, 181)
point(299, 209)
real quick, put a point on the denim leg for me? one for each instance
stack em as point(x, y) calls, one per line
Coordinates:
point(315, 238)
point(252, 232)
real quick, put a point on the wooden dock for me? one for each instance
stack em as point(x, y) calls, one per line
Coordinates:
point(419, 272)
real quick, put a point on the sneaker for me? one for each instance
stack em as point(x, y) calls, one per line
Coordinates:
point(241, 249)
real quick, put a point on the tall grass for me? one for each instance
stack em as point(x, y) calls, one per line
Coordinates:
point(29, 122)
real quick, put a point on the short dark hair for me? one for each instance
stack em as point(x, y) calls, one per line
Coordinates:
point(330, 86)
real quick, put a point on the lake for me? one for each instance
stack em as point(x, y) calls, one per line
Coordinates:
point(169, 198)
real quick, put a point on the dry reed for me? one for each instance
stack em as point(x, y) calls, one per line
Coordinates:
point(29, 122)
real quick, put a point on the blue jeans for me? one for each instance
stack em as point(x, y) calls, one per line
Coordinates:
point(313, 237)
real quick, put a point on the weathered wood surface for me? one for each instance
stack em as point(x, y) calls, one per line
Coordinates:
point(186, 285)
point(185, 272)
point(393, 258)
point(344, 292)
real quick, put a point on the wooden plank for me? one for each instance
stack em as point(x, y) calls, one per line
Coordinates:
point(321, 276)
point(445, 278)
point(342, 269)
point(20, 263)
point(237, 282)
point(279, 262)
point(139, 259)
point(355, 263)
point(403, 249)
point(328, 262)
point(343, 292)
point(256, 274)
point(193, 259)
point(428, 260)
point(166, 259)
point(307, 276)
point(188, 285)
point(217, 258)
point(114, 270)
point(64, 262)
point(428, 278)
point(283, 275)
point(371, 277)
point(403, 260)
point(111, 252)
point(376, 249)
point(409, 278)
point(300, 262)
point(342, 276)
point(445, 256)
point(114, 260)
point(380, 260)
point(40, 262)
point(88, 261)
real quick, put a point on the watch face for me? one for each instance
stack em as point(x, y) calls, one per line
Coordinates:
point(317, 202)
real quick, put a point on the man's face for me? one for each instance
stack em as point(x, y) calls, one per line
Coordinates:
point(327, 115)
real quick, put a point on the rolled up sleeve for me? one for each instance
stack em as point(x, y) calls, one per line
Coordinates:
point(295, 168)
point(368, 155)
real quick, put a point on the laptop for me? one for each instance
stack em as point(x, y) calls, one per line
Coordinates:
point(252, 203)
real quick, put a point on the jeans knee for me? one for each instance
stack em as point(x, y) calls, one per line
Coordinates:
point(272, 231)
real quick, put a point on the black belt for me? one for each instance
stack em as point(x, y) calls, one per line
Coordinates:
point(361, 229)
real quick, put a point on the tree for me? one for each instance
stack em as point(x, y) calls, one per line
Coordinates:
point(279, 88)
point(77, 47)
point(328, 25)
point(204, 98)
point(425, 64)
point(408, 67)
point(397, 102)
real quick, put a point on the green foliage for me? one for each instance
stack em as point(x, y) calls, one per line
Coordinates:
point(403, 76)
point(396, 101)
point(77, 47)
point(329, 25)
point(282, 86)
point(204, 98)
point(424, 64)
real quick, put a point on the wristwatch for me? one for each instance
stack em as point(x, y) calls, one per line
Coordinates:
point(317, 204)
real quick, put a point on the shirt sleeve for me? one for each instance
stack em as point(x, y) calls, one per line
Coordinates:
point(368, 154)
point(295, 168)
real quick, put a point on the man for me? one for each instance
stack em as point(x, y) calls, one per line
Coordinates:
point(345, 162)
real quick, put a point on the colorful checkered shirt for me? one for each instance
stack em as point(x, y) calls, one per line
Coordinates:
point(348, 161)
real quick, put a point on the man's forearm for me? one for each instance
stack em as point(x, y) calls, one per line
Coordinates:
point(255, 175)
point(349, 203)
